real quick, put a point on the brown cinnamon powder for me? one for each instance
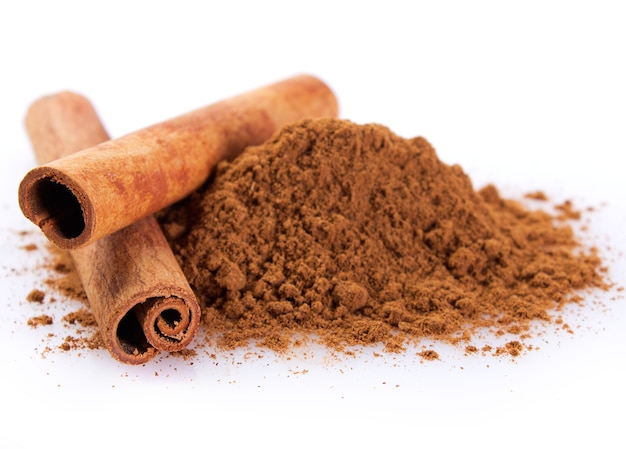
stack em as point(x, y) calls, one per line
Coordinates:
point(40, 320)
point(62, 279)
point(356, 236)
point(36, 295)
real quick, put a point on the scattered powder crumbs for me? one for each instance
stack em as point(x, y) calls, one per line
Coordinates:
point(538, 196)
point(186, 354)
point(471, 349)
point(71, 342)
point(513, 348)
point(36, 295)
point(81, 316)
point(429, 354)
point(40, 320)
point(350, 236)
point(567, 211)
point(62, 279)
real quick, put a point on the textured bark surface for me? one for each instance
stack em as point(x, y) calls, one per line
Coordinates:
point(135, 287)
point(85, 196)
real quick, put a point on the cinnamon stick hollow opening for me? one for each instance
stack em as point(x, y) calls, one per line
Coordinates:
point(158, 323)
point(54, 204)
point(130, 344)
point(166, 322)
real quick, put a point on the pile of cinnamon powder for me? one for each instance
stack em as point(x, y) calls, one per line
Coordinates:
point(353, 235)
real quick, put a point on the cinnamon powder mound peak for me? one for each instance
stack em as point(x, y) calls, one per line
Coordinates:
point(354, 235)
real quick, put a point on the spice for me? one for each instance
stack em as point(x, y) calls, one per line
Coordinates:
point(40, 320)
point(356, 236)
point(110, 184)
point(36, 295)
point(61, 279)
point(140, 297)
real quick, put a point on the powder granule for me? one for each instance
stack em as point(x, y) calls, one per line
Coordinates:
point(357, 236)
point(40, 320)
point(62, 279)
point(36, 295)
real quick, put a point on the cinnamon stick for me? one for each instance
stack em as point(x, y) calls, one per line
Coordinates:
point(85, 196)
point(136, 289)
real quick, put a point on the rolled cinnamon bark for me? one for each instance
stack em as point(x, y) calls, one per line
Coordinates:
point(85, 196)
point(135, 287)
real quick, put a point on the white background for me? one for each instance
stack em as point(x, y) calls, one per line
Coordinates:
point(529, 97)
